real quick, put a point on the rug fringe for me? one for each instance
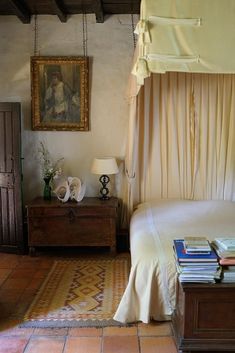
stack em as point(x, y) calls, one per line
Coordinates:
point(74, 323)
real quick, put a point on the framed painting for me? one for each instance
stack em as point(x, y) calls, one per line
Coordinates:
point(60, 95)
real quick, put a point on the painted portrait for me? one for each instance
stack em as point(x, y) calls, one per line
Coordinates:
point(59, 93)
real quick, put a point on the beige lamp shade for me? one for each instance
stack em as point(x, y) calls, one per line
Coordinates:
point(105, 165)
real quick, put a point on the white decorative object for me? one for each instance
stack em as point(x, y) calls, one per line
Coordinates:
point(70, 188)
point(74, 187)
point(81, 193)
point(61, 189)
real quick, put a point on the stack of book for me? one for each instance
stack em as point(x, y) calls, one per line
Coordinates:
point(225, 249)
point(197, 245)
point(196, 261)
point(228, 274)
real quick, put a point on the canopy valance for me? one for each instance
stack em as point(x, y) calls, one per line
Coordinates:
point(185, 36)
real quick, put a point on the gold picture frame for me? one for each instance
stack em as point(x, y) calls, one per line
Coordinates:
point(60, 95)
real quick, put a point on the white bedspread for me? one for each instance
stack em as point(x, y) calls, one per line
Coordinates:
point(150, 293)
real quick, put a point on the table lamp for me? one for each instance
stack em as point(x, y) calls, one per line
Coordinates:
point(104, 166)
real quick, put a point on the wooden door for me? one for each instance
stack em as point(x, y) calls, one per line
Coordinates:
point(11, 223)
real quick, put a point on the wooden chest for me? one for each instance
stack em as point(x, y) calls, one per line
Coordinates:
point(204, 319)
point(91, 222)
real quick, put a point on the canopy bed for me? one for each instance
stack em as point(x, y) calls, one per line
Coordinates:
point(180, 161)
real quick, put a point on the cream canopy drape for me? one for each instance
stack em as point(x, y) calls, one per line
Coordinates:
point(182, 138)
point(181, 127)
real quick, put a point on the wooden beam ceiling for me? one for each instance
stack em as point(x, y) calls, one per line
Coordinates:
point(21, 11)
point(98, 9)
point(25, 9)
point(60, 10)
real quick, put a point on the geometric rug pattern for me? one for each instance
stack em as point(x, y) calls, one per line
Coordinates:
point(80, 293)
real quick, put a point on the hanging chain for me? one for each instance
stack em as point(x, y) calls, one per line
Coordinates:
point(84, 33)
point(133, 29)
point(35, 35)
point(133, 24)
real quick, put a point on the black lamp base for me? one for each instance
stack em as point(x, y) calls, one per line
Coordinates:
point(104, 191)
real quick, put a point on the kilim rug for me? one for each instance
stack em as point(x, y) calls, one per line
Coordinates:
point(79, 293)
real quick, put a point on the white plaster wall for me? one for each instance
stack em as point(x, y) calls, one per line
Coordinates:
point(110, 48)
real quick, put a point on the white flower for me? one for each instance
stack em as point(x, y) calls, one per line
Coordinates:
point(49, 169)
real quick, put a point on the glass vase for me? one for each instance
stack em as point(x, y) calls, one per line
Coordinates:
point(47, 189)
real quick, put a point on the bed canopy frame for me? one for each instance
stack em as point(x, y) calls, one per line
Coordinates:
point(189, 46)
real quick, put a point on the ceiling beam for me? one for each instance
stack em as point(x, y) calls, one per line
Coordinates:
point(21, 11)
point(60, 11)
point(98, 10)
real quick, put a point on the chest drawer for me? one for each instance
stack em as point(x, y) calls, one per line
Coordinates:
point(70, 212)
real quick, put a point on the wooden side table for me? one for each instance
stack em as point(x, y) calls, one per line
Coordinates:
point(204, 319)
point(91, 222)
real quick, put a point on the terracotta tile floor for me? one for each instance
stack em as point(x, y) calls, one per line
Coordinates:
point(21, 277)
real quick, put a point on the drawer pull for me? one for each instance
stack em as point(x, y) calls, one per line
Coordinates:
point(72, 216)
